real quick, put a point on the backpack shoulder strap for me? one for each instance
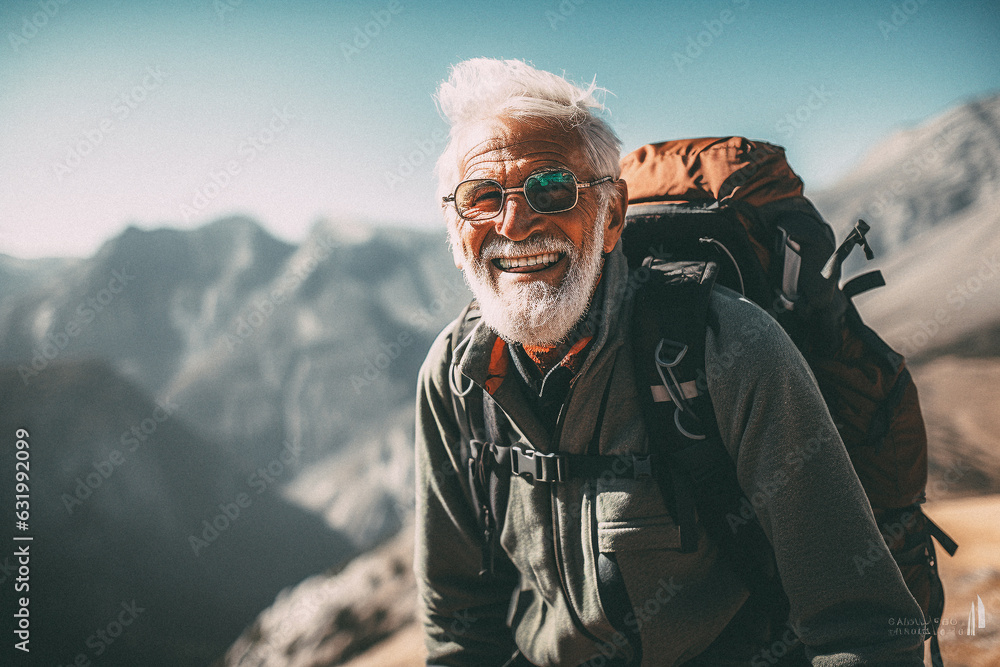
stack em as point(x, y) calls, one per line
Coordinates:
point(465, 399)
point(669, 321)
point(696, 474)
point(486, 475)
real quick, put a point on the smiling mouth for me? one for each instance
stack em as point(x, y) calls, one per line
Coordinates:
point(528, 264)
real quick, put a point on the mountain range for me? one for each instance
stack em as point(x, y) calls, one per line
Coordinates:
point(214, 416)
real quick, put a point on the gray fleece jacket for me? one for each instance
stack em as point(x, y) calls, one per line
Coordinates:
point(544, 599)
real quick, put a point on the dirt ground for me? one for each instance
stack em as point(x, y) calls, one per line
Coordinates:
point(973, 571)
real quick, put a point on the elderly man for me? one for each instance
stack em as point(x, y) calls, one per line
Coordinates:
point(590, 571)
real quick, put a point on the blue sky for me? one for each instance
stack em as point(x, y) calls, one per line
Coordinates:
point(177, 113)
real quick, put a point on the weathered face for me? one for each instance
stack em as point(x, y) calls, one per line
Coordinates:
point(532, 273)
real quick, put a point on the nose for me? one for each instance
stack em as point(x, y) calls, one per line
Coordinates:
point(518, 220)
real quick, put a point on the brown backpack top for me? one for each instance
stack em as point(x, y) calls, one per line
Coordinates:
point(712, 169)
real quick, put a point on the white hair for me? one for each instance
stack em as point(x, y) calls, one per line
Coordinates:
point(485, 89)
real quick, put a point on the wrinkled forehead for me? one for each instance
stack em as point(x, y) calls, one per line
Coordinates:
point(509, 151)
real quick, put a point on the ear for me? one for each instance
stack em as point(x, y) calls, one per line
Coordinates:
point(616, 216)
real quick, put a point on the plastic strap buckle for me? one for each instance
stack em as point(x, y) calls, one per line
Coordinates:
point(536, 466)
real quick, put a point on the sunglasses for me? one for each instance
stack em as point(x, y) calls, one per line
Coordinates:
point(547, 192)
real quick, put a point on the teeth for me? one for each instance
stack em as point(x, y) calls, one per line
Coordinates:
point(509, 263)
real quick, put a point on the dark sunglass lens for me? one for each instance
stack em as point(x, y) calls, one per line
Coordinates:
point(551, 192)
point(478, 199)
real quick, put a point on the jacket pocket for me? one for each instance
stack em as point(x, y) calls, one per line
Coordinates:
point(630, 516)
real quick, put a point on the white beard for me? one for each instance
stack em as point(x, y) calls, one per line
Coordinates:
point(536, 313)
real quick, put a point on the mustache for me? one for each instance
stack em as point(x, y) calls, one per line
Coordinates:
point(533, 245)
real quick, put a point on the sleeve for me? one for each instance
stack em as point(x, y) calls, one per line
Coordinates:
point(464, 615)
point(846, 592)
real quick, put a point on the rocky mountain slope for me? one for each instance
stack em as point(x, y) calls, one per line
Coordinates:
point(216, 415)
point(131, 506)
point(328, 619)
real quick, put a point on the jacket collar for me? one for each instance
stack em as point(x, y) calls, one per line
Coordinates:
point(483, 351)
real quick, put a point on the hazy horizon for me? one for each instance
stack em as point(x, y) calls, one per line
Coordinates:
point(137, 114)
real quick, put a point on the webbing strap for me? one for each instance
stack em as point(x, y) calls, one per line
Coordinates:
point(660, 393)
point(950, 545)
point(536, 466)
point(684, 506)
point(936, 660)
point(936, 607)
point(791, 270)
point(477, 426)
point(670, 321)
point(863, 283)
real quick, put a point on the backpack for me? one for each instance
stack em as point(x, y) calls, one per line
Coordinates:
point(730, 211)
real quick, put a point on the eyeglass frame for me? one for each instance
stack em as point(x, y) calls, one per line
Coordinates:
point(503, 192)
